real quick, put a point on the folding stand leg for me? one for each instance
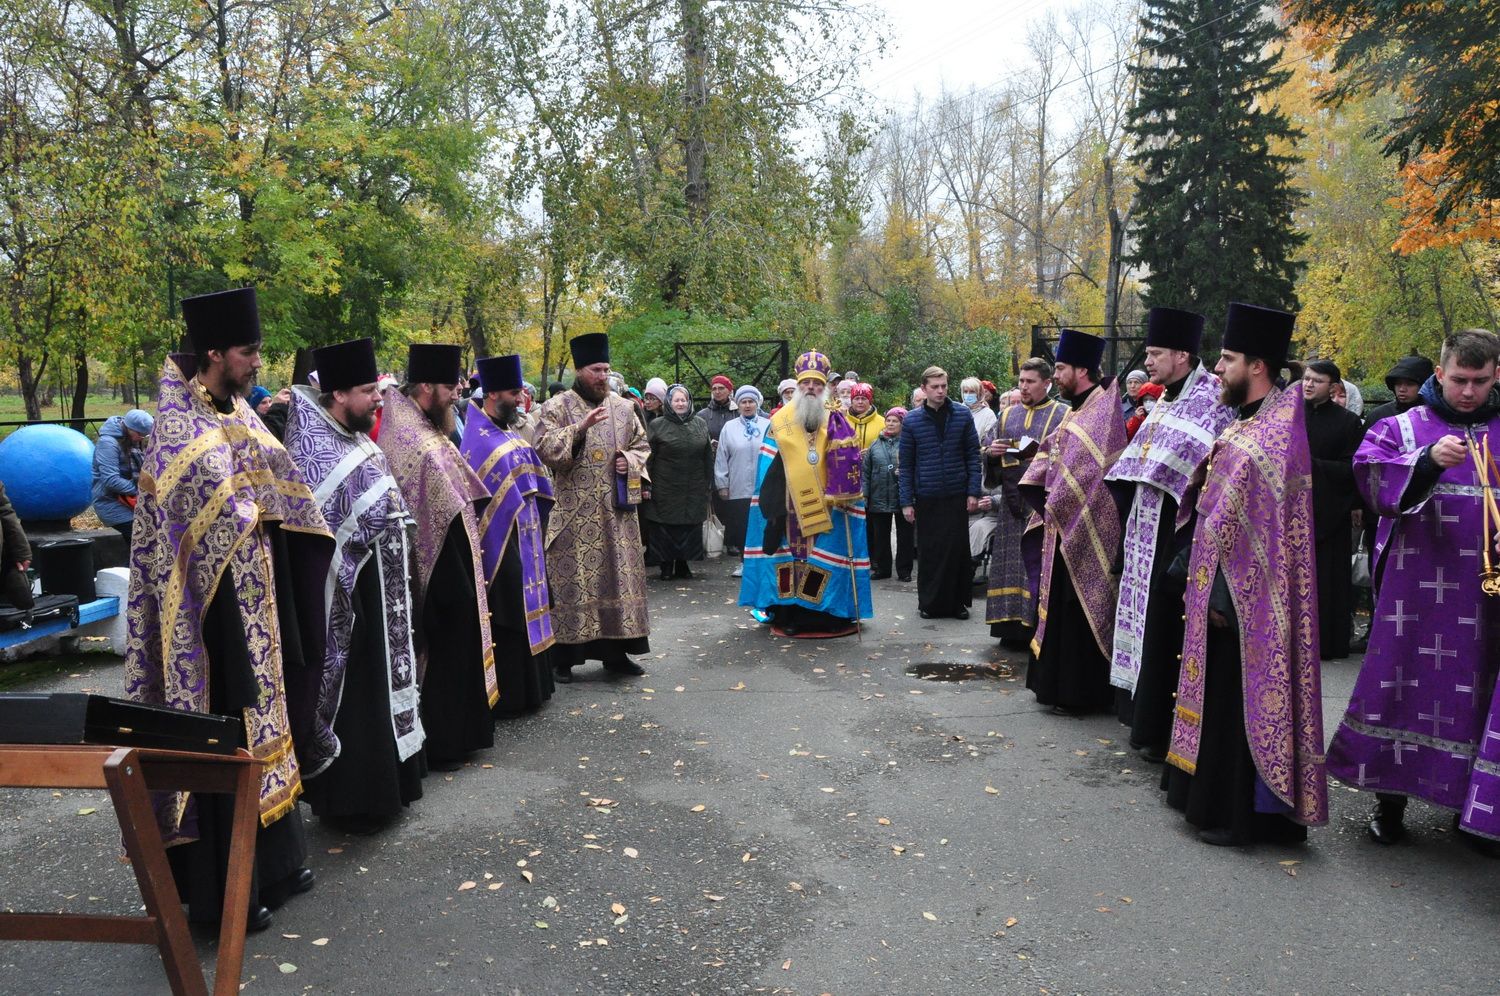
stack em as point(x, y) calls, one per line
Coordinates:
point(237, 885)
point(148, 858)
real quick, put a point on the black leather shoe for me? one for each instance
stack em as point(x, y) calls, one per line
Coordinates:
point(904, 578)
point(924, 613)
point(259, 919)
point(1218, 837)
point(881, 577)
point(1386, 826)
point(562, 674)
point(624, 665)
point(301, 881)
point(1155, 755)
point(684, 571)
point(667, 572)
point(961, 613)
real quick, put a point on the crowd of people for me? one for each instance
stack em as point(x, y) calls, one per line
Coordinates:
point(376, 574)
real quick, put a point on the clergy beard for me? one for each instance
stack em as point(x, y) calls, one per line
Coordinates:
point(587, 394)
point(811, 413)
point(1234, 393)
point(360, 423)
point(505, 415)
point(442, 418)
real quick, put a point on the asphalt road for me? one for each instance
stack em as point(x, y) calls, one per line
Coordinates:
point(800, 817)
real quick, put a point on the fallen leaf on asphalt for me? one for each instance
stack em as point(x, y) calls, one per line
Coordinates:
point(1011, 921)
point(287, 968)
point(883, 822)
point(335, 850)
point(699, 809)
point(1288, 864)
point(465, 887)
point(1126, 900)
point(786, 966)
point(622, 920)
point(679, 688)
point(526, 874)
point(87, 811)
point(898, 848)
point(713, 898)
point(649, 691)
point(737, 688)
point(795, 886)
point(631, 852)
point(1103, 909)
point(991, 790)
point(550, 903)
point(494, 885)
point(929, 916)
point(603, 803)
point(618, 909)
point(291, 937)
point(321, 941)
point(540, 924)
point(829, 790)
point(745, 858)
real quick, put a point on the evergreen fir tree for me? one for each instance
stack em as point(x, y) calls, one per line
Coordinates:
point(1213, 216)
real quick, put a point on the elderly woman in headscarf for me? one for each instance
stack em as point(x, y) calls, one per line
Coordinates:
point(655, 399)
point(681, 469)
point(735, 463)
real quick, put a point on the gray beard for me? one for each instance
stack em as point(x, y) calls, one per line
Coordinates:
point(811, 413)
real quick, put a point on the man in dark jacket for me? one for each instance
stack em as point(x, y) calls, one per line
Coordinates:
point(1405, 380)
point(15, 556)
point(1333, 434)
point(940, 487)
point(719, 411)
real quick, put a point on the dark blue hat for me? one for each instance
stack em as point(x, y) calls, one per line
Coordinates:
point(433, 363)
point(1079, 349)
point(345, 365)
point(589, 349)
point(1172, 328)
point(219, 321)
point(1260, 332)
point(500, 373)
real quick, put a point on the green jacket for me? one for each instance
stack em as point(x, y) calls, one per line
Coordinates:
point(681, 469)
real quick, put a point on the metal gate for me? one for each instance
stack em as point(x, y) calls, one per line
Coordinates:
point(761, 362)
point(1131, 337)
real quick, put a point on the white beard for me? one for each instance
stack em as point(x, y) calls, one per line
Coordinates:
point(811, 413)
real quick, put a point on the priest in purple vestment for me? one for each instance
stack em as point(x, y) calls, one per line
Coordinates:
point(1152, 476)
point(1007, 449)
point(512, 537)
point(455, 656)
point(225, 610)
point(363, 763)
point(1423, 718)
point(1065, 484)
point(1246, 757)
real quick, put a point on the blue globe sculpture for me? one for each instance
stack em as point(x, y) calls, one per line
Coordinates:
point(47, 471)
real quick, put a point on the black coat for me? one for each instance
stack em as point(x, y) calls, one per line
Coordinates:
point(1333, 434)
point(681, 468)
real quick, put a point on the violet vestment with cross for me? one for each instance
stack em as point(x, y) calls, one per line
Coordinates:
point(1422, 720)
point(512, 542)
point(1065, 483)
point(225, 607)
point(1246, 755)
point(361, 760)
point(455, 655)
point(1155, 470)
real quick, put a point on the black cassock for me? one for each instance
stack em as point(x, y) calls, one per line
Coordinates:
point(1333, 434)
point(455, 705)
point(1069, 670)
point(525, 679)
point(368, 780)
point(200, 867)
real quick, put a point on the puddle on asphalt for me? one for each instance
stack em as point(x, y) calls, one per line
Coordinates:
point(959, 671)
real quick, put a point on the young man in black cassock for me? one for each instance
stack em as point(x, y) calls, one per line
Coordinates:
point(1333, 434)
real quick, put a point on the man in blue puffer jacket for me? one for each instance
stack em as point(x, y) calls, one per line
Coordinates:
point(940, 487)
point(117, 465)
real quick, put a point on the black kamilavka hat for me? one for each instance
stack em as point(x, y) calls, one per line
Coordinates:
point(500, 373)
point(1261, 332)
point(219, 321)
point(1079, 349)
point(589, 349)
point(433, 363)
point(1173, 328)
point(345, 365)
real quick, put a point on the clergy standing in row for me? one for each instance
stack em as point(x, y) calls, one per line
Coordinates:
point(1016, 545)
point(596, 448)
point(1423, 718)
point(1154, 473)
point(512, 537)
point(225, 610)
point(1246, 757)
point(363, 763)
point(1065, 484)
point(807, 563)
point(1333, 434)
point(455, 657)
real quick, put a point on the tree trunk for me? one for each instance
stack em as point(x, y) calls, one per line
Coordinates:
point(475, 327)
point(31, 385)
point(80, 386)
point(695, 101)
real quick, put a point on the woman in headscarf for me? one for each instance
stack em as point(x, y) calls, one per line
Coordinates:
point(735, 464)
point(655, 399)
point(681, 469)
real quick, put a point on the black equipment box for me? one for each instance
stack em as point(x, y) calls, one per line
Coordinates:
point(78, 718)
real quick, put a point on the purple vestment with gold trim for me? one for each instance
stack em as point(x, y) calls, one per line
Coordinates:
point(1255, 525)
point(209, 483)
point(1422, 720)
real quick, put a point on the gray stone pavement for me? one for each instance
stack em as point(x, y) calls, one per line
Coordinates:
point(800, 817)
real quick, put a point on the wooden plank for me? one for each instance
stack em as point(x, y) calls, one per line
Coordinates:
point(77, 927)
